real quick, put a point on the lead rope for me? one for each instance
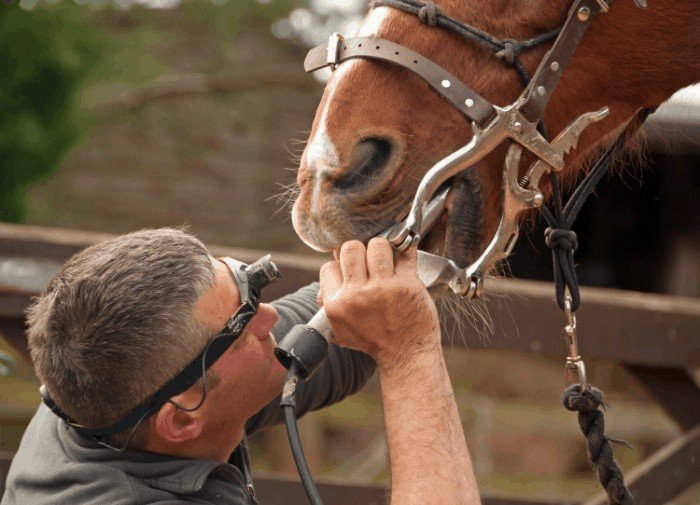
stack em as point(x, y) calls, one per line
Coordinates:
point(581, 397)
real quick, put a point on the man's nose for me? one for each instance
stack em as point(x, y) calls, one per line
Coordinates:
point(261, 325)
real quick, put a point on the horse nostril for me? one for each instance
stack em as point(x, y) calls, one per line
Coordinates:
point(370, 156)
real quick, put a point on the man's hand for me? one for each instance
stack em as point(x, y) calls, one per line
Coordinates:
point(377, 304)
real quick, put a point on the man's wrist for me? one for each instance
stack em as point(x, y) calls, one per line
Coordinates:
point(409, 357)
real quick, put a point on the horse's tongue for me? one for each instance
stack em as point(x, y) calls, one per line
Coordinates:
point(463, 231)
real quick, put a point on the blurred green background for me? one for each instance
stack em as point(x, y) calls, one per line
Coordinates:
point(122, 115)
point(189, 114)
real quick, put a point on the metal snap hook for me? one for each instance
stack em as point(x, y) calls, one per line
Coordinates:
point(574, 369)
point(575, 372)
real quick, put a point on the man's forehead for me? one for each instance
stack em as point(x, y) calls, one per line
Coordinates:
point(226, 278)
point(216, 304)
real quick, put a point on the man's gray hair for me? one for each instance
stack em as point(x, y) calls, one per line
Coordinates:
point(117, 322)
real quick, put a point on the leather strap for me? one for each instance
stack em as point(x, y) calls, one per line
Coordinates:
point(461, 96)
point(556, 60)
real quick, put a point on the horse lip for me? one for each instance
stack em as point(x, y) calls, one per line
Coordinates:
point(325, 233)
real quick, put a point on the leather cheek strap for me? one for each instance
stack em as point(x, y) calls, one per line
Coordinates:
point(461, 96)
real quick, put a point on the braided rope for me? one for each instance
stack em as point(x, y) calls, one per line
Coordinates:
point(592, 423)
point(506, 50)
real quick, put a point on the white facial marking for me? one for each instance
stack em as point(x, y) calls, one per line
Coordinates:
point(321, 154)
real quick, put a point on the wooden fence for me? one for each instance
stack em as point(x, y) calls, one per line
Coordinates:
point(655, 337)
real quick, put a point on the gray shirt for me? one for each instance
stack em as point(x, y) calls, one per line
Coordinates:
point(57, 465)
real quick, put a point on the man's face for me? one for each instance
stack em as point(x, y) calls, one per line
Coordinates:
point(250, 376)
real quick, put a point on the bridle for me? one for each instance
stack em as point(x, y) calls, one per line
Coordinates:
point(522, 123)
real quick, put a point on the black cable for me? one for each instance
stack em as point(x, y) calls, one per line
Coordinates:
point(289, 404)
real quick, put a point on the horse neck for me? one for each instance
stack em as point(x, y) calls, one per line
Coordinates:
point(632, 58)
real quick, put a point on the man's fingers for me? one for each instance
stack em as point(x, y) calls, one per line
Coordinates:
point(407, 262)
point(380, 258)
point(353, 262)
point(331, 280)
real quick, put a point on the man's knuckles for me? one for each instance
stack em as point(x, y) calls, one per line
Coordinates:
point(328, 270)
point(352, 248)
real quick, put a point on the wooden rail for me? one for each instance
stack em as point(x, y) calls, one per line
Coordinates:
point(656, 337)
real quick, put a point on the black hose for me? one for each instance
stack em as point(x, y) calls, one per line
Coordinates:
point(289, 404)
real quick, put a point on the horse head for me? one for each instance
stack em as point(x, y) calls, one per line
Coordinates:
point(379, 128)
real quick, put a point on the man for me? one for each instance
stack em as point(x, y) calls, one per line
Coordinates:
point(125, 316)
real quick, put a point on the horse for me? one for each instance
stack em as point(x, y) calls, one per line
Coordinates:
point(379, 128)
point(383, 143)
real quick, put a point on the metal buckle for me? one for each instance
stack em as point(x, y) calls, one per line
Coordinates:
point(574, 368)
point(333, 54)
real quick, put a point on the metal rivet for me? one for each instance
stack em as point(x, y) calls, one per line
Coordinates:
point(446, 84)
point(554, 66)
point(584, 13)
point(518, 127)
point(536, 201)
point(469, 102)
point(541, 91)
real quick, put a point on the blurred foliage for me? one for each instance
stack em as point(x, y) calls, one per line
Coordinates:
point(46, 54)
point(62, 61)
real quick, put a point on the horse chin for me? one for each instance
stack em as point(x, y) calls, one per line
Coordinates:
point(329, 230)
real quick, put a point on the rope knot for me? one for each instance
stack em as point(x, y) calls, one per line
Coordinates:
point(510, 51)
point(582, 401)
point(428, 13)
point(560, 238)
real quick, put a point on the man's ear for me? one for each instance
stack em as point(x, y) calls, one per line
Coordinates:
point(174, 425)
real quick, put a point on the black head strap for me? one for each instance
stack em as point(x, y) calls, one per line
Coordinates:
point(250, 280)
point(181, 382)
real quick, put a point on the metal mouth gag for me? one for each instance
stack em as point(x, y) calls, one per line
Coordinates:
point(519, 123)
point(518, 194)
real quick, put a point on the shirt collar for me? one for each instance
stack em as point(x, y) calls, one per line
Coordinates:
point(175, 475)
